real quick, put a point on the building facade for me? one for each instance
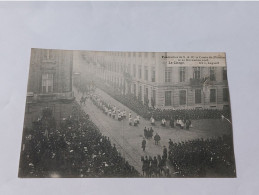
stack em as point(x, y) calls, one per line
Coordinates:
point(148, 76)
point(49, 84)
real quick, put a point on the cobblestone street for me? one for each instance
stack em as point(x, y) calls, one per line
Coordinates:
point(128, 138)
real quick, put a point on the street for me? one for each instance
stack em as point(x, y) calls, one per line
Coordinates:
point(128, 138)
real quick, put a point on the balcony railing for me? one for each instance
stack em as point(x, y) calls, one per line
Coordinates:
point(195, 82)
point(49, 96)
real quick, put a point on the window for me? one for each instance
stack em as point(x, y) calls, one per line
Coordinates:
point(224, 74)
point(153, 79)
point(168, 95)
point(134, 70)
point(129, 54)
point(146, 54)
point(153, 101)
point(197, 96)
point(139, 72)
point(225, 94)
point(146, 73)
point(212, 95)
point(182, 74)
point(46, 54)
point(128, 68)
point(212, 74)
point(47, 83)
point(196, 72)
point(140, 93)
point(153, 54)
point(134, 54)
point(182, 97)
point(139, 54)
point(146, 92)
point(135, 89)
point(51, 54)
point(168, 73)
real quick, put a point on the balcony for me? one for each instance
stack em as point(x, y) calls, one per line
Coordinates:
point(195, 82)
point(48, 97)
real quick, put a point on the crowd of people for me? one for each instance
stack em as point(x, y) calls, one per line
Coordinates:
point(193, 158)
point(74, 149)
point(156, 166)
point(201, 158)
point(148, 133)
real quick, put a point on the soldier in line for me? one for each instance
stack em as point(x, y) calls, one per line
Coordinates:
point(164, 153)
point(170, 144)
point(188, 124)
point(172, 122)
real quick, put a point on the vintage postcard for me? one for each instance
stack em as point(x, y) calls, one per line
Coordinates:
point(92, 114)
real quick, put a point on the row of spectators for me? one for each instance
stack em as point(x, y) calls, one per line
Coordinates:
point(201, 158)
point(76, 149)
point(155, 167)
point(132, 102)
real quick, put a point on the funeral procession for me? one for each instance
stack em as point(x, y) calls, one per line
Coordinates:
point(93, 114)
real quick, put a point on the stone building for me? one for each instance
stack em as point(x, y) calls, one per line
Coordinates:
point(148, 76)
point(49, 84)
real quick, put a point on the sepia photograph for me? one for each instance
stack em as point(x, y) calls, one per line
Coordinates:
point(129, 98)
point(103, 114)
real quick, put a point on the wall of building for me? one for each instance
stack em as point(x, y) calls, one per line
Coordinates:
point(112, 66)
point(58, 63)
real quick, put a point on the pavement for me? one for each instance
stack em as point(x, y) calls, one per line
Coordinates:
point(128, 138)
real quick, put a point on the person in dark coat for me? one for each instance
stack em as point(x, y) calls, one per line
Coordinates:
point(157, 138)
point(164, 153)
point(145, 132)
point(144, 142)
point(170, 143)
point(188, 123)
point(151, 132)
